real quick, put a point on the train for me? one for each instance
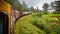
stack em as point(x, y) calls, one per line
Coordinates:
point(8, 16)
point(4, 17)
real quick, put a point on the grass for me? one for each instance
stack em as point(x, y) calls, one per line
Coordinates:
point(35, 24)
point(51, 15)
point(23, 26)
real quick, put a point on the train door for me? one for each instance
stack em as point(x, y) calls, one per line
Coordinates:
point(3, 23)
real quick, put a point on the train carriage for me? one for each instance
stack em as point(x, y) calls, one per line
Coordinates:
point(4, 17)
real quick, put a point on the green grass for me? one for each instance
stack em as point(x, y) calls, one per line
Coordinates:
point(51, 15)
point(35, 24)
point(23, 26)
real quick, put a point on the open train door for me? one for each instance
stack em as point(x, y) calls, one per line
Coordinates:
point(3, 22)
point(4, 17)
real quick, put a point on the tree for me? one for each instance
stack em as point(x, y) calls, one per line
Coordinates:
point(45, 6)
point(56, 6)
point(17, 5)
point(24, 8)
point(24, 4)
point(51, 5)
point(37, 9)
point(31, 9)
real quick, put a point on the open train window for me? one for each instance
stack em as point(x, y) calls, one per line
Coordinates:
point(3, 23)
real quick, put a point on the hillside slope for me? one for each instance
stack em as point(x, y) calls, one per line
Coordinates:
point(33, 24)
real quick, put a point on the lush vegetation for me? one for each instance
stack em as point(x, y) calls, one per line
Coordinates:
point(37, 24)
point(40, 22)
point(23, 26)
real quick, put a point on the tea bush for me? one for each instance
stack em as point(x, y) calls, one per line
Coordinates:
point(23, 26)
point(35, 24)
point(57, 29)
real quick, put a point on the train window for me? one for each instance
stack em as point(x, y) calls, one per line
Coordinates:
point(3, 23)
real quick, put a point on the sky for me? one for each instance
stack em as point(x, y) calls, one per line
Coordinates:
point(36, 3)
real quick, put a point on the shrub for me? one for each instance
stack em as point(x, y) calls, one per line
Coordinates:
point(42, 24)
point(59, 19)
point(57, 29)
point(23, 26)
point(34, 24)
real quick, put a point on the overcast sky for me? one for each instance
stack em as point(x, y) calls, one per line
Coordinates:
point(36, 3)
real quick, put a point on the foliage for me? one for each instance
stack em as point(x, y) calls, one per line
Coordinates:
point(30, 24)
point(43, 25)
point(17, 5)
point(38, 14)
point(26, 28)
point(31, 9)
point(55, 6)
point(51, 6)
point(56, 12)
point(23, 26)
point(34, 10)
point(57, 29)
point(45, 6)
point(59, 19)
point(51, 15)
